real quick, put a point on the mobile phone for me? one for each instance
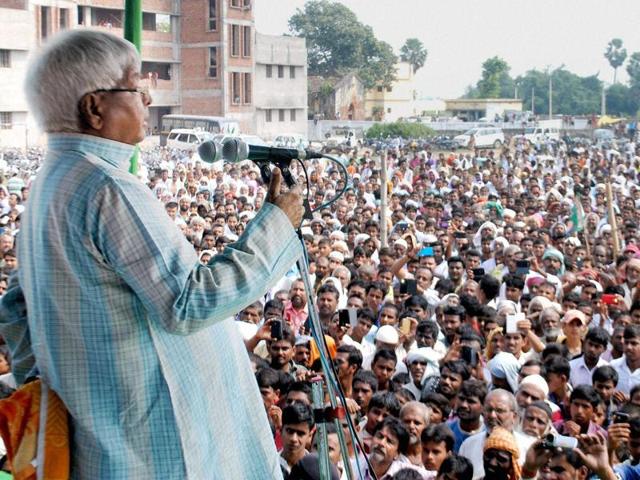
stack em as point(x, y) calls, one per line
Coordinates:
point(621, 417)
point(522, 267)
point(459, 235)
point(276, 329)
point(426, 252)
point(610, 299)
point(559, 441)
point(408, 287)
point(469, 355)
point(478, 272)
point(512, 322)
point(405, 326)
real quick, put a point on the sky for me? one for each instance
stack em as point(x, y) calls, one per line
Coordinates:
point(461, 34)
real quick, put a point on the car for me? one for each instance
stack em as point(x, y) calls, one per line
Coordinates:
point(291, 140)
point(249, 139)
point(484, 137)
point(187, 138)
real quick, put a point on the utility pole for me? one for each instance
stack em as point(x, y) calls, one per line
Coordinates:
point(383, 198)
point(603, 101)
point(533, 100)
point(550, 95)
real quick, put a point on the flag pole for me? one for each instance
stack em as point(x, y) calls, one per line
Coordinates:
point(133, 33)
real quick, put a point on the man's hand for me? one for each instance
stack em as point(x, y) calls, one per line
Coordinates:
point(537, 457)
point(289, 202)
point(571, 428)
point(618, 434)
point(593, 452)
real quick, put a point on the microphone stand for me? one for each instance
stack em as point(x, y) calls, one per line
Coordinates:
point(336, 412)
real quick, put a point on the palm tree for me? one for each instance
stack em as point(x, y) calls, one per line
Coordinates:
point(413, 51)
point(616, 55)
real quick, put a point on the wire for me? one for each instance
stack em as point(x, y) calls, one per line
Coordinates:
point(345, 174)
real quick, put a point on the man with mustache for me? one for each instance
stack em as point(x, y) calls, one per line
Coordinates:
point(500, 410)
point(415, 417)
point(388, 447)
point(295, 311)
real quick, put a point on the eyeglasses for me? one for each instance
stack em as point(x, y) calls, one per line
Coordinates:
point(141, 90)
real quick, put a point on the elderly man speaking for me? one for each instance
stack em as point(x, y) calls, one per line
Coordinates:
point(121, 319)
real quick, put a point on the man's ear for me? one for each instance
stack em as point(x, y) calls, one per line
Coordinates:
point(91, 112)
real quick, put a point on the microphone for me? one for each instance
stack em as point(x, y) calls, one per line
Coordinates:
point(210, 151)
point(235, 150)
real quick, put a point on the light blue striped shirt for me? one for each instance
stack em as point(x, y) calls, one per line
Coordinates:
point(131, 331)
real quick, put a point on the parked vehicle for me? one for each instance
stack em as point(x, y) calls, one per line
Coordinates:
point(483, 137)
point(187, 138)
point(291, 140)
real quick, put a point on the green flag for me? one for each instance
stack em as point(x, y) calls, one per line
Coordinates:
point(133, 33)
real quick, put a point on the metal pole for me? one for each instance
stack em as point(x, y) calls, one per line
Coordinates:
point(133, 33)
point(383, 198)
point(603, 101)
point(323, 450)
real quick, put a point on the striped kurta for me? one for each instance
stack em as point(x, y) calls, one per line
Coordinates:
point(131, 331)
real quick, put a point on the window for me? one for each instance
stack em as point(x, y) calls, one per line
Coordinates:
point(246, 88)
point(388, 110)
point(280, 71)
point(63, 19)
point(281, 115)
point(45, 13)
point(269, 71)
point(292, 113)
point(5, 58)
point(81, 11)
point(246, 41)
point(149, 21)
point(235, 88)
point(163, 23)
point(235, 40)
point(292, 72)
point(379, 89)
point(246, 4)
point(5, 120)
point(267, 115)
point(388, 88)
point(213, 62)
point(213, 15)
point(236, 3)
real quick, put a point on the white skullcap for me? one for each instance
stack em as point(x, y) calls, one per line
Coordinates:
point(387, 334)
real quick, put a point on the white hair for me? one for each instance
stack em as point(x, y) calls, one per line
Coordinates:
point(70, 65)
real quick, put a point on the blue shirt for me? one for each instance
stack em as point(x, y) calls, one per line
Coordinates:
point(131, 331)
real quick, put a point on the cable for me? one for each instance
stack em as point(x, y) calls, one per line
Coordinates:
point(339, 194)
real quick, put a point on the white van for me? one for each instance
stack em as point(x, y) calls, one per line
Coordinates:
point(484, 137)
point(291, 140)
point(187, 138)
point(539, 134)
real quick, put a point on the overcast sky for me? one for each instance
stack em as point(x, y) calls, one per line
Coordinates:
point(460, 34)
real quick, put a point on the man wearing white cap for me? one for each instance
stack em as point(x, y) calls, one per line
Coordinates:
point(422, 363)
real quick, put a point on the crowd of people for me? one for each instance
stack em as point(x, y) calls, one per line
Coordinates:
point(494, 332)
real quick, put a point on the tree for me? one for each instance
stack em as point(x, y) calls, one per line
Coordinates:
point(338, 43)
point(616, 55)
point(572, 94)
point(413, 51)
point(633, 69)
point(621, 100)
point(495, 81)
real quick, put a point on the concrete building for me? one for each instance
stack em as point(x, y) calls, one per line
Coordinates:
point(280, 85)
point(395, 101)
point(473, 109)
point(198, 57)
point(337, 98)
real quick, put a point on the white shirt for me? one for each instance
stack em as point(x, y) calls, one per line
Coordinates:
point(626, 378)
point(473, 449)
point(581, 374)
